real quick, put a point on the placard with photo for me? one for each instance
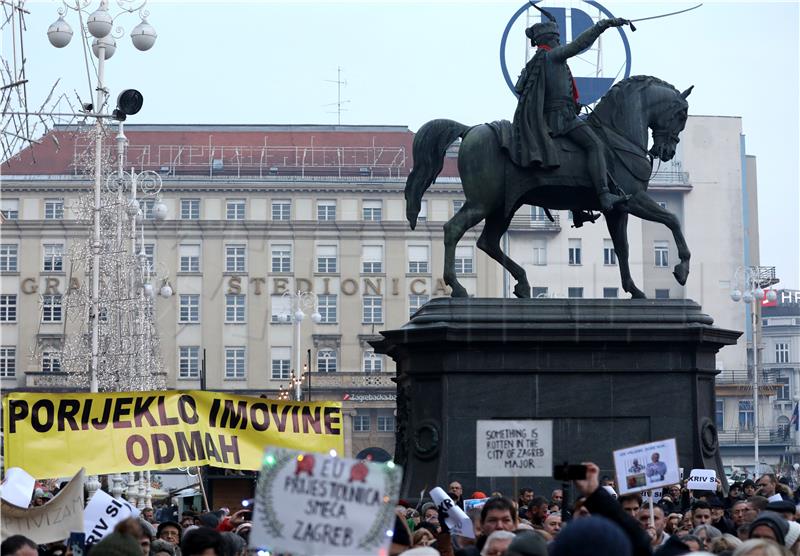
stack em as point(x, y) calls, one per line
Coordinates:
point(647, 466)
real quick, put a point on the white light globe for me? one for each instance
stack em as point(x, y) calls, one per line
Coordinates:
point(59, 33)
point(149, 290)
point(160, 211)
point(110, 47)
point(143, 36)
point(316, 317)
point(100, 22)
point(133, 207)
point(736, 295)
point(747, 297)
point(166, 291)
point(758, 293)
point(772, 295)
point(299, 315)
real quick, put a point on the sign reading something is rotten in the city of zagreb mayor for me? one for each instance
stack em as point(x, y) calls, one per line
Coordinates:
point(514, 449)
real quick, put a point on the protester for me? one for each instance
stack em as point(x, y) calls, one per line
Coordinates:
point(202, 542)
point(657, 535)
point(169, 531)
point(758, 547)
point(498, 514)
point(117, 544)
point(557, 497)
point(422, 537)
point(725, 543)
point(233, 544)
point(161, 547)
point(456, 492)
point(18, 545)
point(148, 514)
point(525, 497)
point(707, 535)
point(527, 544)
point(631, 503)
point(701, 513)
point(593, 536)
point(552, 524)
point(537, 511)
point(770, 526)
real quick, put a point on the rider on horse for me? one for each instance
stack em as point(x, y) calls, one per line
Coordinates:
point(548, 107)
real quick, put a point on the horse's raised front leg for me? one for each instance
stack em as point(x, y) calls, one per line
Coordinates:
point(643, 206)
point(469, 215)
point(496, 226)
point(617, 222)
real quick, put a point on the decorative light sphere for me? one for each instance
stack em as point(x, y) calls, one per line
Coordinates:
point(108, 42)
point(149, 290)
point(316, 317)
point(143, 36)
point(736, 295)
point(759, 294)
point(59, 33)
point(160, 210)
point(747, 297)
point(132, 208)
point(299, 315)
point(100, 22)
point(772, 295)
point(166, 291)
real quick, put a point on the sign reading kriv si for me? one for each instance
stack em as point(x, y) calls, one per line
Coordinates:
point(103, 513)
point(49, 434)
point(321, 505)
point(514, 449)
point(702, 479)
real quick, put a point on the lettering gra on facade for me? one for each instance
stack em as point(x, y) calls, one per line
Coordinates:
point(257, 285)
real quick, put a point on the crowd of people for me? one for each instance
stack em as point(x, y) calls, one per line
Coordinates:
point(754, 518)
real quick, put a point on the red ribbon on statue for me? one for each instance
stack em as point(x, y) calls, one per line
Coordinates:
point(574, 85)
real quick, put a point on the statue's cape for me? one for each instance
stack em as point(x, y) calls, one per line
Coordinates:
point(529, 142)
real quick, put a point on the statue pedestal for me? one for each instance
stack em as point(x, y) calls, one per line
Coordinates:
point(609, 373)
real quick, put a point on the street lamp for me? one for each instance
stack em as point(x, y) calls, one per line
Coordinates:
point(749, 283)
point(297, 305)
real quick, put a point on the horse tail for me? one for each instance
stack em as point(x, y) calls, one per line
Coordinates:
point(430, 145)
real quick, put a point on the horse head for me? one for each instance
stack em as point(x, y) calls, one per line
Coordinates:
point(667, 125)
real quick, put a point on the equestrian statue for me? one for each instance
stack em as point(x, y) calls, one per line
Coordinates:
point(551, 157)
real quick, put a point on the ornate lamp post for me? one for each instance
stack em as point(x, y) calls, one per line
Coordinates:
point(298, 305)
point(749, 283)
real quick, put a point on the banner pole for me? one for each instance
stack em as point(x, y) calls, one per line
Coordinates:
point(650, 503)
point(202, 488)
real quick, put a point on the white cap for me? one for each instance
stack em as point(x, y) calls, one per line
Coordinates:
point(794, 533)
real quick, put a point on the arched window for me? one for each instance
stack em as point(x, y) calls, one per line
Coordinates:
point(326, 361)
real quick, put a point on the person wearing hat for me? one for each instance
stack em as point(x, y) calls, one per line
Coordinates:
point(718, 517)
point(734, 494)
point(786, 508)
point(171, 532)
point(749, 488)
point(769, 525)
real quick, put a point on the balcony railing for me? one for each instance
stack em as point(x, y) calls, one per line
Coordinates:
point(352, 380)
point(780, 435)
point(522, 221)
point(745, 377)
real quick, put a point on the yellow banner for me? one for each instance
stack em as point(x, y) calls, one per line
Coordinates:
point(53, 435)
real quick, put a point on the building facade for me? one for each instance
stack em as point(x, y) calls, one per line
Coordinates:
point(255, 212)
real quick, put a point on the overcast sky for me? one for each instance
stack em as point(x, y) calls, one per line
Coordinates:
point(405, 63)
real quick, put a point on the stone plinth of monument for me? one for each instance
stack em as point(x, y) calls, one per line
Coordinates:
point(609, 373)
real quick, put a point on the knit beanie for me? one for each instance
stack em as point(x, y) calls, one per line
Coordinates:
point(591, 536)
point(793, 535)
point(774, 521)
point(527, 544)
point(117, 544)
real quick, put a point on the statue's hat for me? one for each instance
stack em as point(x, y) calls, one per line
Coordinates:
point(538, 30)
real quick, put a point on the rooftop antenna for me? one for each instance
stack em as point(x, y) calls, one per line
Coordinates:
point(339, 102)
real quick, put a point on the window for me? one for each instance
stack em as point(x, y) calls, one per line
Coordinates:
point(326, 211)
point(746, 415)
point(423, 211)
point(610, 293)
point(373, 211)
point(235, 307)
point(373, 363)
point(782, 383)
point(662, 293)
point(235, 258)
point(719, 414)
point(538, 214)
point(189, 308)
point(51, 308)
point(234, 209)
point(661, 253)
point(781, 352)
point(8, 257)
point(539, 252)
point(372, 259)
point(8, 307)
point(373, 309)
point(9, 208)
point(189, 362)
point(457, 204)
point(662, 204)
point(190, 209)
point(190, 258)
point(361, 423)
point(281, 258)
point(609, 255)
point(8, 362)
point(415, 302)
point(417, 259)
point(147, 206)
point(53, 209)
point(326, 305)
point(539, 291)
point(280, 306)
point(280, 363)
point(326, 258)
point(385, 423)
point(150, 256)
point(51, 362)
point(575, 292)
point(326, 361)
point(281, 210)
point(234, 363)
point(53, 257)
point(574, 251)
point(464, 259)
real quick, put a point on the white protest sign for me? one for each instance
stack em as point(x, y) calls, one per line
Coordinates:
point(657, 495)
point(775, 498)
point(319, 505)
point(457, 520)
point(646, 466)
point(18, 487)
point(514, 449)
point(702, 479)
point(102, 513)
point(51, 522)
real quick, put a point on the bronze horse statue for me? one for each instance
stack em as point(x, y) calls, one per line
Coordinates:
point(495, 187)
